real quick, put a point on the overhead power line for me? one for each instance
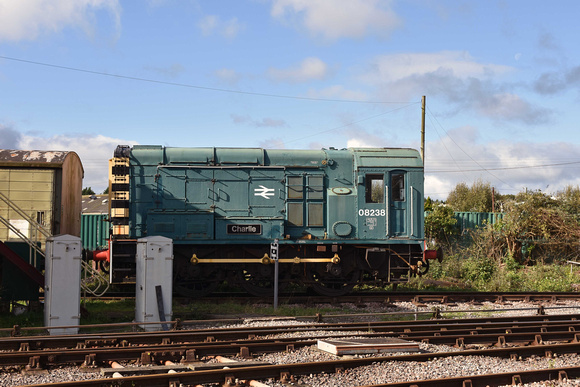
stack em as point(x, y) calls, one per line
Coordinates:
point(468, 155)
point(349, 123)
point(505, 168)
point(140, 79)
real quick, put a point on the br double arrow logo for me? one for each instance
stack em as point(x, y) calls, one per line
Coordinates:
point(264, 192)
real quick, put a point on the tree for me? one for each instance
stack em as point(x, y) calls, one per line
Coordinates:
point(538, 222)
point(106, 191)
point(478, 198)
point(569, 200)
point(428, 206)
point(88, 191)
point(440, 224)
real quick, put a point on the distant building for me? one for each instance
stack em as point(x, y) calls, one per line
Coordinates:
point(95, 225)
point(40, 196)
point(95, 204)
point(46, 186)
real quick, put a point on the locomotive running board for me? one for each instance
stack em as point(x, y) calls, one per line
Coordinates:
point(266, 260)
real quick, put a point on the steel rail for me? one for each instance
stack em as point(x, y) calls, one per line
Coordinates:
point(240, 333)
point(181, 352)
point(145, 354)
point(516, 378)
point(400, 296)
point(285, 372)
point(443, 297)
point(246, 348)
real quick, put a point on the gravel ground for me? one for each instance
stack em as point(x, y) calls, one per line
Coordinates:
point(385, 372)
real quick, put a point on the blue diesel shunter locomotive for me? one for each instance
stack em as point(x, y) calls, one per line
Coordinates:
point(341, 217)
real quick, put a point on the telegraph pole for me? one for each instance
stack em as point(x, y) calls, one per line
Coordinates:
point(423, 130)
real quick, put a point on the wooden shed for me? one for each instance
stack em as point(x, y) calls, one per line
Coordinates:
point(46, 186)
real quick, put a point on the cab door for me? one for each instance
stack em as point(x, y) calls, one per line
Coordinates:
point(398, 204)
point(372, 211)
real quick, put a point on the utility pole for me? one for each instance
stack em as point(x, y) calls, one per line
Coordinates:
point(423, 130)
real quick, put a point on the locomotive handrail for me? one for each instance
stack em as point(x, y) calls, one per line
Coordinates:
point(412, 211)
point(230, 166)
point(265, 260)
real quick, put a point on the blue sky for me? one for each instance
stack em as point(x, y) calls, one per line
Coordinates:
point(501, 80)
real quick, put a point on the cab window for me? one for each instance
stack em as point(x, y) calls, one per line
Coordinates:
point(398, 187)
point(375, 189)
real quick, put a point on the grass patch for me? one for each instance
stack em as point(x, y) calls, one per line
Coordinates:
point(28, 319)
point(486, 275)
point(208, 310)
point(455, 273)
point(92, 312)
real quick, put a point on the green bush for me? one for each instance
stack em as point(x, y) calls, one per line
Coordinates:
point(486, 274)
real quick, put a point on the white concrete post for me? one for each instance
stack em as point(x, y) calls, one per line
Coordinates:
point(153, 293)
point(62, 290)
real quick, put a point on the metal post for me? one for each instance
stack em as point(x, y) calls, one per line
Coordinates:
point(274, 255)
point(423, 130)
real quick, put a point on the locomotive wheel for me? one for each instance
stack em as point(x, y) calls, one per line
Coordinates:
point(258, 279)
point(194, 281)
point(332, 280)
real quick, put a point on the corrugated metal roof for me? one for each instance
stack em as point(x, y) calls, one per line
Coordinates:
point(95, 204)
point(32, 156)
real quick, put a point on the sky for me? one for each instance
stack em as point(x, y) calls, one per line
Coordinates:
point(501, 80)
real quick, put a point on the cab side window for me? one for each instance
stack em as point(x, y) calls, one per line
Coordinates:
point(375, 189)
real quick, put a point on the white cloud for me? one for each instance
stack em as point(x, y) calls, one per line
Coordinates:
point(357, 137)
point(333, 20)
point(359, 143)
point(228, 75)
point(272, 143)
point(264, 122)
point(360, 138)
point(457, 77)
point(156, 3)
point(9, 137)
point(208, 24)
point(231, 28)
point(338, 92)
point(28, 19)
point(94, 151)
point(459, 64)
point(510, 167)
point(507, 106)
point(212, 24)
point(309, 69)
point(171, 71)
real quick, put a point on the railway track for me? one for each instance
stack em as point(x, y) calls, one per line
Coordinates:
point(509, 337)
point(188, 352)
point(443, 297)
point(464, 327)
point(287, 372)
point(191, 345)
